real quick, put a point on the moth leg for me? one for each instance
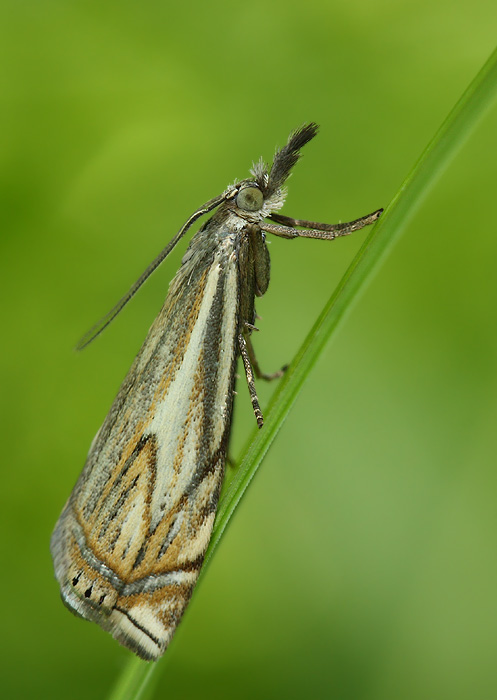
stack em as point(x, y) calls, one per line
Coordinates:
point(328, 232)
point(255, 365)
point(250, 380)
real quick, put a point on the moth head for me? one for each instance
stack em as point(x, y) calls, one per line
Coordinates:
point(269, 182)
point(247, 201)
point(250, 198)
point(258, 198)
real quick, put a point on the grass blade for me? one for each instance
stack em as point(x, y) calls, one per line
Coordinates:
point(462, 120)
point(135, 681)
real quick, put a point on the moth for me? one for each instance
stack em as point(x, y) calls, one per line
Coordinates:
point(131, 539)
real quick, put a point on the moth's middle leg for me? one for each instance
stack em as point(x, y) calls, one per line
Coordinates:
point(252, 367)
point(255, 365)
point(250, 379)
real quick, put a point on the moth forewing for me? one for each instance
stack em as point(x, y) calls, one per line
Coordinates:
point(131, 539)
point(130, 542)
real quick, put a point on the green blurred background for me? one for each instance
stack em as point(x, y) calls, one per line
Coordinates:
point(362, 562)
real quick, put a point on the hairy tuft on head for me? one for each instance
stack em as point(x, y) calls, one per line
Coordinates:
point(287, 157)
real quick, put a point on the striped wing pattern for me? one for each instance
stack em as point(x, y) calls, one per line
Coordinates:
point(130, 542)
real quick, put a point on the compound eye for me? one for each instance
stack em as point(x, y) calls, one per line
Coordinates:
point(250, 199)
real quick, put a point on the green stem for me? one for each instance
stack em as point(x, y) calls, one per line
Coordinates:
point(461, 121)
point(134, 681)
